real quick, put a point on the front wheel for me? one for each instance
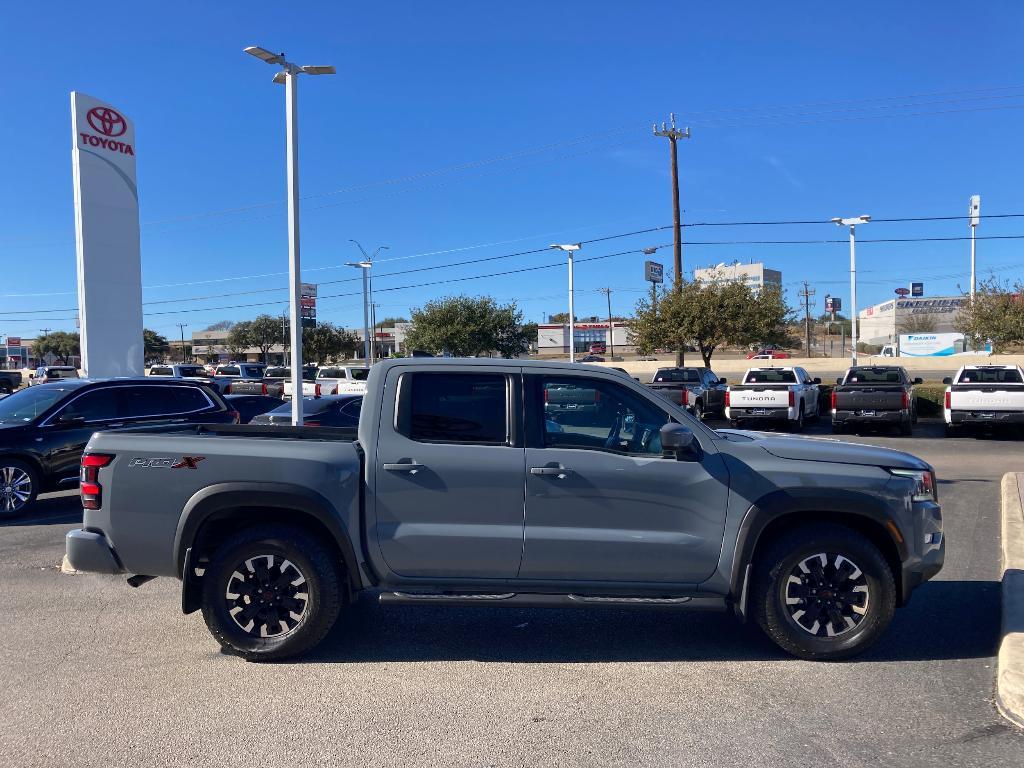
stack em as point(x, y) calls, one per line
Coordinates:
point(19, 486)
point(823, 592)
point(271, 592)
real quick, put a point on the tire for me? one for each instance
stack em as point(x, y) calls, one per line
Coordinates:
point(735, 424)
point(19, 487)
point(800, 423)
point(5, 388)
point(698, 410)
point(790, 568)
point(906, 428)
point(838, 427)
point(265, 557)
point(953, 430)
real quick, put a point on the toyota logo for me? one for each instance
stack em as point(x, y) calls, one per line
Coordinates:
point(107, 121)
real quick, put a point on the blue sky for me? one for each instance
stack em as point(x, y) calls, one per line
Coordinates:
point(465, 130)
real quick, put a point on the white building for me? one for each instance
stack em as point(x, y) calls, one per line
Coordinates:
point(553, 339)
point(881, 323)
point(753, 274)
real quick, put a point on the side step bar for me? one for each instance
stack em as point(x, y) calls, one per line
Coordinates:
point(537, 600)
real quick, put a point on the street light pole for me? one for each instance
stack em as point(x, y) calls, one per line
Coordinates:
point(975, 213)
point(289, 77)
point(569, 250)
point(365, 264)
point(852, 224)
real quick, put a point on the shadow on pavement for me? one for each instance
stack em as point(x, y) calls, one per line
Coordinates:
point(50, 509)
point(945, 620)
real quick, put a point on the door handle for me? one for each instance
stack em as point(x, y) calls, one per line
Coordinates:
point(412, 467)
point(556, 471)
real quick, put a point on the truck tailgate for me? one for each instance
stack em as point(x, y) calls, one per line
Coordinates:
point(759, 396)
point(987, 397)
point(869, 399)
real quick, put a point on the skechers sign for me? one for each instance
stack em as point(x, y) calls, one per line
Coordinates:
point(111, 124)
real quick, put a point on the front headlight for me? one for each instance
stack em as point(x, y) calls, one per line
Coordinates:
point(924, 483)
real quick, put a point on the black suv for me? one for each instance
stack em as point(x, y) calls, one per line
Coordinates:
point(44, 428)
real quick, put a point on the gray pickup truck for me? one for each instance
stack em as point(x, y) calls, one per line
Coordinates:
point(459, 488)
point(698, 390)
point(878, 395)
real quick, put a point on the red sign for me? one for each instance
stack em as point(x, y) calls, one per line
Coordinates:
point(14, 341)
point(307, 301)
point(902, 291)
point(107, 121)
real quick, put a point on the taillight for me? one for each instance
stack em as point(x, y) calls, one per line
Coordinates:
point(948, 406)
point(236, 417)
point(833, 399)
point(686, 397)
point(313, 423)
point(545, 395)
point(906, 400)
point(728, 398)
point(227, 390)
point(263, 389)
point(316, 390)
point(89, 478)
point(792, 398)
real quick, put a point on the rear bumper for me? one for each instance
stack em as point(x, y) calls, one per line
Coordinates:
point(888, 417)
point(986, 417)
point(760, 414)
point(90, 551)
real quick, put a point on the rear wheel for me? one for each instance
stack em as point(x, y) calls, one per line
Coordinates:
point(823, 592)
point(19, 486)
point(838, 428)
point(798, 425)
point(906, 428)
point(271, 592)
point(5, 388)
point(953, 430)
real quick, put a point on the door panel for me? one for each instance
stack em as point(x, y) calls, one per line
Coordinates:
point(449, 495)
point(610, 508)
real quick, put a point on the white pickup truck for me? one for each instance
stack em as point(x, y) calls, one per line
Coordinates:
point(333, 380)
point(787, 395)
point(984, 395)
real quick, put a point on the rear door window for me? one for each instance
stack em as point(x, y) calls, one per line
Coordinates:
point(454, 408)
point(141, 402)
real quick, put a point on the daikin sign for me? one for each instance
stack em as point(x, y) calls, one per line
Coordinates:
point(107, 238)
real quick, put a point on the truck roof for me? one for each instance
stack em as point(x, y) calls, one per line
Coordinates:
point(487, 362)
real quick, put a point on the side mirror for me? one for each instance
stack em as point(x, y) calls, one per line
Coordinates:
point(679, 443)
point(723, 380)
point(31, 375)
point(839, 380)
point(817, 381)
point(947, 380)
point(919, 380)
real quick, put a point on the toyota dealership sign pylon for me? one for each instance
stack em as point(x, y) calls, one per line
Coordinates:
point(107, 238)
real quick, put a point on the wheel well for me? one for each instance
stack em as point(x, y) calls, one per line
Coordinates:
point(224, 523)
point(873, 531)
point(32, 461)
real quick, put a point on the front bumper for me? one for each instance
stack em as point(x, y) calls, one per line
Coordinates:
point(927, 552)
point(985, 417)
point(90, 551)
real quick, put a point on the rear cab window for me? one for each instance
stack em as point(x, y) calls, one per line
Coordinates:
point(990, 376)
point(873, 376)
point(162, 371)
point(770, 376)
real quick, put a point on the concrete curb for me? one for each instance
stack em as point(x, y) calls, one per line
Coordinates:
point(1010, 672)
point(65, 566)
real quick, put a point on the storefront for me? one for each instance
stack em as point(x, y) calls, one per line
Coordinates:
point(554, 339)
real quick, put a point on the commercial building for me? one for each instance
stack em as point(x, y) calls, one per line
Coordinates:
point(881, 323)
point(754, 274)
point(15, 352)
point(553, 339)
point(212, 347)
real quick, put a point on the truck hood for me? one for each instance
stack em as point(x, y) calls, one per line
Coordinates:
point(801, 448)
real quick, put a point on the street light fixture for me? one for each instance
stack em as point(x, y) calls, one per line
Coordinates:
point(569, 249)
point(368, 320)
point(852, 224)
point(288, 77)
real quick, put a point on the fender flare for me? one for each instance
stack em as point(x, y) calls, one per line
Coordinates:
point(778, 504)
point(221, 497)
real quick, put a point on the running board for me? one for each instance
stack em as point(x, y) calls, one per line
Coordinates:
point(537, 600)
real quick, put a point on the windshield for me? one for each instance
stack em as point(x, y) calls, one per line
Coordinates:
point(873, 376)
point(27, 404)
point(990, 376)
point(770, 376)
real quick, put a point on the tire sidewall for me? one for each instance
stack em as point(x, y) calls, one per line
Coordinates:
point(881, 598)
point(230, 558)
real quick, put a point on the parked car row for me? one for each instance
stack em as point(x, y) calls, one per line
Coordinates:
point(870, 395)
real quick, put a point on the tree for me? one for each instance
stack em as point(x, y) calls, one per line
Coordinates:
point(61, 344)
point(921, 323)
point(996, 315)
point(240, 338)
point(388, 322)
point(710, 315)
point(558, 317)
point(461, 326)
point(220, 325)
point(264, 332)
point(327, 342)
point(154, 346)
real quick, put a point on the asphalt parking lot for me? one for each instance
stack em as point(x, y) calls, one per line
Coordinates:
point(96, 673)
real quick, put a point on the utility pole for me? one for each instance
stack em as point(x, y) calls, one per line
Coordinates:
point(182, 327)
point(806, 293)
point(611, 332)
point(673, 134)
point(975, 213)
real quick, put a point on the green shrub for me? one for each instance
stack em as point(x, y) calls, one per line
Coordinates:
point(930, 399)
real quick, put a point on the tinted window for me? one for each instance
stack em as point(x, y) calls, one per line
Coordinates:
point(990, 376)
point(228, 370)
point(873, 376)
point(454, 408)
point(161, 372)
point(192, 370)
point(27, 404)
point(359, 374)
point(592, 413)
point(96, 405)
point(770, 376)
point(61, 373)
point(162, 401)
point(331, 373)
point(688, 375)
point(277, 373)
